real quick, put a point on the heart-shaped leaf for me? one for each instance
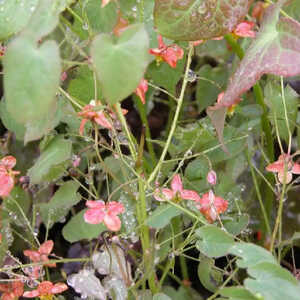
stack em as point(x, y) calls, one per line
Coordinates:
point(213, 242)
point(27, 75)
point(274, 51)
point(272, 282)
point(14, 16)
point(120, 63)
point(77, 229)
point(56, 152)
point(60, 204)
point(190, 20)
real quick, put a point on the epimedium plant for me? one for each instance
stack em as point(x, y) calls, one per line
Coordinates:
point(149, 149)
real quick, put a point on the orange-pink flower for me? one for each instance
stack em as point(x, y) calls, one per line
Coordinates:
point(175, 191)
point(46, 290)
point(142, 89)
point(170, 54)
point(89, 113)
point(283, 165)
point(41, 255)
point(211, 206)
point(107, 213)
point(12, 290)
point(7, 175)
point(244, 29)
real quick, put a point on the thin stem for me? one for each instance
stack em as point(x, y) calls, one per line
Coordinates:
point(173, 127)
point(131, 143)
point(223, 285)
point(262, 207)
point(143, 115)
point(279, 211)
point(286, 115)
point(69, 98)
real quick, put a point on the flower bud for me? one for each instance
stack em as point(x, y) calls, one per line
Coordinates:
point(211, 177)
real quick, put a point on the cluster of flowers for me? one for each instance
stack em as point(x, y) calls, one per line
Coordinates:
point(209, 204)
point(45, 289)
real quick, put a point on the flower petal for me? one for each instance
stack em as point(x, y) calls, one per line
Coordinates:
point(275, 167)
point(115, 208)
point(102, 120)
point(94, 216)
point(296, 168)
point(59, 288)
point(33, 255)
point(189, 195)
point(176, 183)
point(95, 204)
point(46, 247)
point(163, 195)
point(81, 127)
point(31, 294)
point(6, 184)
point(112, 222)
point(8, 161)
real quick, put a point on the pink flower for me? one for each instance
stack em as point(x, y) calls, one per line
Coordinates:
point(211, 206)
point(89, 113)
point(170, 54)
point(46, 289)
point(176, 191)
point(99, 212)
point(244, 29)
point(142, 89)
point(211, 177)
point(282, 165)
point(63, 76)
point(41, 255)
point(7, 175)
point(12, 290)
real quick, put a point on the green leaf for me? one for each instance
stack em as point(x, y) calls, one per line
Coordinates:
point(161, 296)
point(17, 206)
point(273, 51)
point(237, 224)
point(82, 86)
point(275, 100)
point(14, 16)
point(101, 19)
point(29, 72)
point(60, 204)
point(77, 229)
point(272, 282)
point(210, 278)
point(211, 83)
point(44, 19)
point(120, 62)
point(237, 293)
point(158, 75)
point(213, 242)
point(35, 129)
point(7, 237)
point(190, 20)
point(162, 216)
point(10, 123)
point(251, 254)
point(56, 152)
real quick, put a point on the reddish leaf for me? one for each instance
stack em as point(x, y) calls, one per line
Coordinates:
point(274, 51)
point(191, 20)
